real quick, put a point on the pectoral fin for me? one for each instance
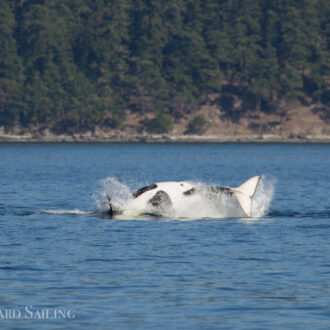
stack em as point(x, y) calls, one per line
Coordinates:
point(161, 198)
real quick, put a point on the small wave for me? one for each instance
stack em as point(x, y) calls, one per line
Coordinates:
point(74, 212)
point(299, 214)
point(24, 213)
point(284, 213)
point(19, 211)
point(315, 227)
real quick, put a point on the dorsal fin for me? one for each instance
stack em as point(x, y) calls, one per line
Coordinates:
point(144, 189)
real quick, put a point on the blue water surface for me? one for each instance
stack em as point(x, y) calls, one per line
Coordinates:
point(162, 273)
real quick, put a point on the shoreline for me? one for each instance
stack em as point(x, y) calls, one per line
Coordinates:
point(163, 138)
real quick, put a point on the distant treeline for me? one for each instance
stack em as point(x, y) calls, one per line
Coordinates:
point(74, 64)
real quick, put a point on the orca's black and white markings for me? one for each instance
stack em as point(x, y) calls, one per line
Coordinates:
point(160, 197)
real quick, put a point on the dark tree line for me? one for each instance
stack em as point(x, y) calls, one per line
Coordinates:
point(74, 64)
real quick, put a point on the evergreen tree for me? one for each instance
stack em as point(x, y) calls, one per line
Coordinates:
point(293, 47)
point(11, 70)
point(71, 65)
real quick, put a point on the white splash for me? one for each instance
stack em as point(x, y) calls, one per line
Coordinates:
point(204, 204)
point(119, 193)
point(263, 197)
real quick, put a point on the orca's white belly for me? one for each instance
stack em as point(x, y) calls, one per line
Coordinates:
point(174, 190)
point(184, 199)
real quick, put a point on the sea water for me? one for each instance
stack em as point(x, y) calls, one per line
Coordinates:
point(63, 264)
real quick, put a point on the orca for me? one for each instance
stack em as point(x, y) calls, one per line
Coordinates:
point(161, 196)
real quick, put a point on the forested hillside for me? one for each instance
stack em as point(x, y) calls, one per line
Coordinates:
point(75, 64)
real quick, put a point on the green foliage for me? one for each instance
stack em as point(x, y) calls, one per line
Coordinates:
point(71, 65)
point(161, 124)
point(198, 125)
